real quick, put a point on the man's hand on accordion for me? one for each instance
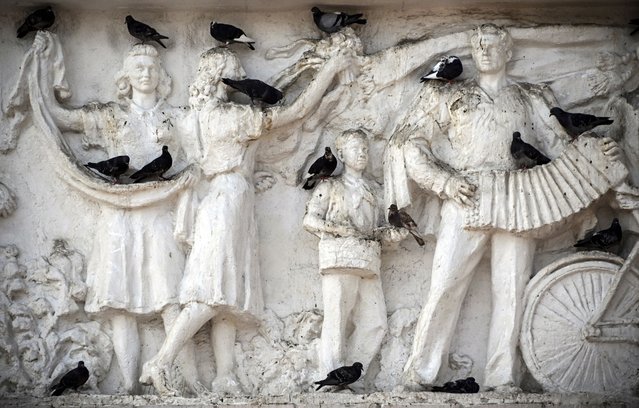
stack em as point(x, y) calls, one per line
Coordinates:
point(610, 148)
point(460, 190)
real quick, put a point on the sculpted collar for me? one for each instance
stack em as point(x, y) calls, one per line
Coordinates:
point(141, 111)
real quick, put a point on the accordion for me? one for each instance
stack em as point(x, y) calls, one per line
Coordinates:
point(522, 201)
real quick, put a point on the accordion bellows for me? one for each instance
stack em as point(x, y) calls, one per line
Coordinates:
point(523, 201)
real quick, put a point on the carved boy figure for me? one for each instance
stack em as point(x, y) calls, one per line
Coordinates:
point(455, 131)
point(344, 212)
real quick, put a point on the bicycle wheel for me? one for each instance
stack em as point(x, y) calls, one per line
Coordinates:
point(560, 301)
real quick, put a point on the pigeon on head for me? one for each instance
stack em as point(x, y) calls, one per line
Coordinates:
point(40, 19)
point(144, 32)
point(333, 22)
point(229, 34)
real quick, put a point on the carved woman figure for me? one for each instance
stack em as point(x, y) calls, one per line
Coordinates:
point(221, 280)
point(135, 266)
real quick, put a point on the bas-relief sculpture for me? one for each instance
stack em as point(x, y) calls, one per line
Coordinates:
point(200, 232)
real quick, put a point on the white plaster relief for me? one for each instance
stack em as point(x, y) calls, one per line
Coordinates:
point(373, 93)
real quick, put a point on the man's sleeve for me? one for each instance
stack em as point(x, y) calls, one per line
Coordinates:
point(421, 166)
point(424, 169)
point(317, 207)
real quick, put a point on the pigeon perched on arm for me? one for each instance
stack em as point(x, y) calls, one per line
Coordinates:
point(255, 89)
point(229, 34)
point(156, 168)
point(448, 68)
point(113, 167)
point(603, 239)
point(525, 154)
point(73, 379)
point(466, 386)
point(333, 22)
point(342, 376)
point(401, 219)
point(144, 32)
point(40, 19)
point(321, 168)
point(578, 123)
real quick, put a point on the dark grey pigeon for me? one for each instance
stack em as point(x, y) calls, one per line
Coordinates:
point(525, 155)
point(634, 21)
point(333, 22)
point(604, 239)
point(321, 168)
point(40, 19)
point(401, 219)
point(255, 89)
point(113, 167)
point(465, 386)
point(578, 123)
point(73, 379)
point(144, 32)
point(228, 34)
point(447, 69)
point(156, 168)
point(342, 376)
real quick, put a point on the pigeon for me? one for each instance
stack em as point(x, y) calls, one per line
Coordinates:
point(144, 32)
point(333, 22)
point(113, 167)
point(578, 123)
point(255, 89)
point(634, 21)
point(321, 168)
point(466, 386)
point(525, 155)
point(40, 19)
point(73, 379)
point(228, 34)
point(156, 168)
point(448, 68)
point(342, 376)
point(603, 239)
point(401, 219)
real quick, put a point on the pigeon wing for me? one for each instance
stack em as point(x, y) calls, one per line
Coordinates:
point(407, 220)
point(345, 375)
point(317, 166)
point(330, 21)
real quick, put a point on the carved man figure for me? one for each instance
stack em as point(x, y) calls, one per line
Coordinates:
point(454, 131)
point(344, 212)
point(221, 280)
